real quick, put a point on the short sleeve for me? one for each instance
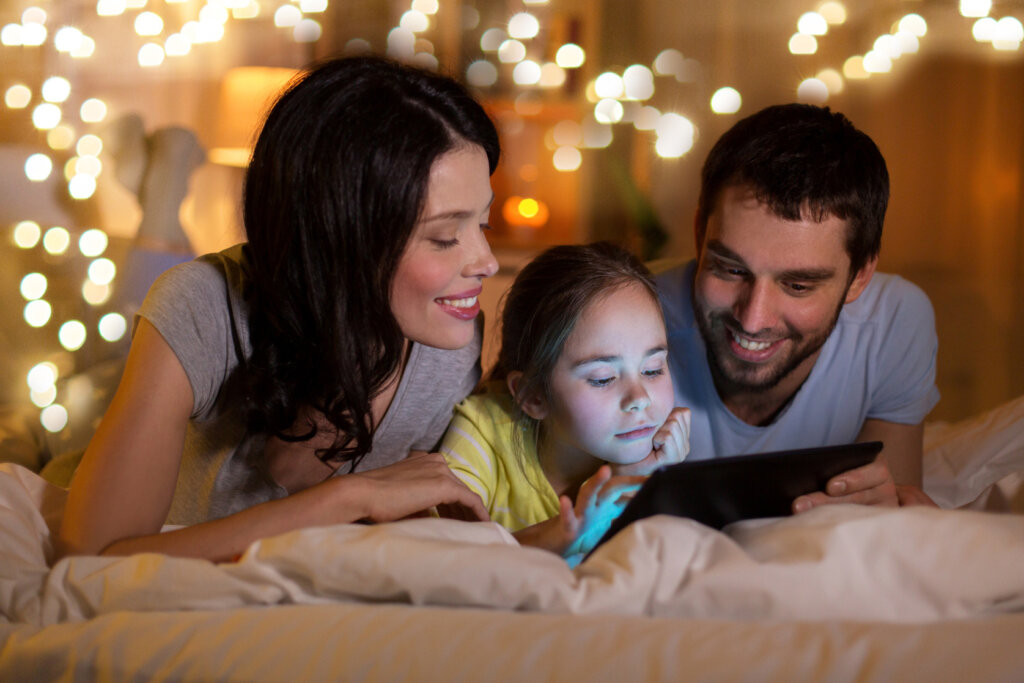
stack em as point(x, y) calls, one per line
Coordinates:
point(904, 388)
point(468, 450)
point(189, 306)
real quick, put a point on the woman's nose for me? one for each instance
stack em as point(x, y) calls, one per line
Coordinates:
point(483, 263)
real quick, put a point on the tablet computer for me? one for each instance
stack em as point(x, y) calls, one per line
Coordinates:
point(724, 490)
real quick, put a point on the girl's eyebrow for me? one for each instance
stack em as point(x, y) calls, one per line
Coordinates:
point(611, 359)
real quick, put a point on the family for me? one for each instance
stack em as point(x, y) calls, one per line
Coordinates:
point(327, 371)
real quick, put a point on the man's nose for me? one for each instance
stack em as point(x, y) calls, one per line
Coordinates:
point(755, 309)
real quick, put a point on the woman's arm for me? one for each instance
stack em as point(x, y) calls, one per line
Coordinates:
point(122, 491)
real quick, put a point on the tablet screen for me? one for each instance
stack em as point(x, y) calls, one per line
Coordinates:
point(724, 490)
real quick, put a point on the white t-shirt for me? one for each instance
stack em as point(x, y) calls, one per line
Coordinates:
point(878, 363)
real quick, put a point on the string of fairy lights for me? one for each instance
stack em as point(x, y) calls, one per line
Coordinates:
point(515, 54)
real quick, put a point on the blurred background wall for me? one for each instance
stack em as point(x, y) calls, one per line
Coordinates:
point(606, 110)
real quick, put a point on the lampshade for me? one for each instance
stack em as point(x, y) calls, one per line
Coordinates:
point(245, 95)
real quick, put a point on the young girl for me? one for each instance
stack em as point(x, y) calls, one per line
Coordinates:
point(581, 389)
point(283, 383)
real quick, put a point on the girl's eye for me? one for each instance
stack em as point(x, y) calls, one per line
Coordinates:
point(485, 226)
point(600, 382)
point(445, 244)
point(654, 372)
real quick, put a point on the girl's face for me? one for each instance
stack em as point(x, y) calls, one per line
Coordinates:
point(435, 289)
point(611, 389)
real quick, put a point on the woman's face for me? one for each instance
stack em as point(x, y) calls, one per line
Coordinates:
point(435, 289)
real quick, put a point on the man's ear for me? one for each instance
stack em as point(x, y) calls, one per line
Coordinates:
point(534, 405)
point(861, 279)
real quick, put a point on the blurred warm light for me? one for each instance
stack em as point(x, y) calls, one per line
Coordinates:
point(251, 10)
point(102, 271)
point(60, 137)
point(37, 313)
point(876, 62)
point(93, 110)
point(914, 24)
point(528, 173)
point(317, 6)
point(425, 60)
point(726, 101)
point(56, 240)
point(110, 8)
point(10, 35)
point(88, 165)
point(150, 55)
point(552, 76)
point(245, 93)
point(470, 17)
point(287, 16)
point(1009, 34)
point(112, 326)
point(27, 234)
point(401, 43)
point(38, 167)
point(908, 42)
point(45, 397)
point(608, 111)
point(55, 89)
point(33, 15)
point(95, 294)
point(535, 2)
point(668, 62)
point(67, 39)
point(86, 47)
point(803, 44)
point(414, 21)
point(307, 31)
point(42, 376)
point(82, 186)
point(638, 82)
point(975, 8)
point(812, 24)
point(567, 133)
point(481, 74)
point(17, 96)
point(833, 12)
point(609, 84)
point(984, 30)
point(511, 51)
point(570, 56)
point(54, 417)
point(853, 68)
point(33, 34)
point(527, 72)
point(72, 335)
point(596, 135)
point(212, 13)
point(492, 39)
point(832, 79)
point(70, 167)
point(527, 104)
point(46, 116)
point(525, 212)
point(567, 159)
point(358, 46)
point(92, 242)
point(523, 26)
point(33, 286)
point(887, 45)
point(675, 135)
point(813, 91)
point(149, 24)
point(647, 118)
point(426, 6)
point(89, 145)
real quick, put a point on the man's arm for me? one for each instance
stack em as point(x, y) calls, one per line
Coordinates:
point(903, 451)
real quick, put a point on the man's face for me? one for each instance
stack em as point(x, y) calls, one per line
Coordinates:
point(768, 292)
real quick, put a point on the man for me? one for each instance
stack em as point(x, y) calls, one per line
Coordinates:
point(781, 333)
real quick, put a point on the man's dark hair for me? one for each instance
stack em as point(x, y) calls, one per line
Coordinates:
point(803, 161)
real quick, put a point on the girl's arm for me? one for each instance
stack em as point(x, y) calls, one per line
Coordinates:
point(122, 491)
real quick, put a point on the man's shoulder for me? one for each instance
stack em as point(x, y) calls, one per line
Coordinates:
point(886, 297)
point(674, 280)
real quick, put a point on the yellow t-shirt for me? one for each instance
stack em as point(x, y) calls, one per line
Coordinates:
point(504, 472)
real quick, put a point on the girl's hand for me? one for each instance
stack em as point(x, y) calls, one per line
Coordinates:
point(412, 486)
point(671, 444)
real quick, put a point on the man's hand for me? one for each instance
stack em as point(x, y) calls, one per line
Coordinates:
point(670, 444)
point(871, 484)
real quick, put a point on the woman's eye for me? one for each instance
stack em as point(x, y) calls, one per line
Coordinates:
point(445, 244)
point(600, 382)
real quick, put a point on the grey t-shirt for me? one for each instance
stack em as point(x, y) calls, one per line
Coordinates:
point(199, 310)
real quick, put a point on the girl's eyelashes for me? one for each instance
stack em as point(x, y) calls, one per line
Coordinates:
point(654, 372)
point(485, 226)
point(600, 381)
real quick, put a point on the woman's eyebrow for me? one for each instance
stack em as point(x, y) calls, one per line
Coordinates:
point(457, 214)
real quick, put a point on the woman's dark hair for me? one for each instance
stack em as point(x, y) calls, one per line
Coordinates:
point(337, 181)
point(799, 158)
point(544, 303)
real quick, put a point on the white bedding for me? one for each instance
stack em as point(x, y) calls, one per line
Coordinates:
point(843, 593)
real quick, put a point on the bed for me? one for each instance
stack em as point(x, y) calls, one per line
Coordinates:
point(839, 594)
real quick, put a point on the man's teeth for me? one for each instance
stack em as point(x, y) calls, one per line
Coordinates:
point(460, 303)
point(751, 345)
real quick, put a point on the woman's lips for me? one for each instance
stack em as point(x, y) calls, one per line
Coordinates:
point(464, 306)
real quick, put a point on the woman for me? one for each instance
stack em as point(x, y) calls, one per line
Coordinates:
point(282, 383)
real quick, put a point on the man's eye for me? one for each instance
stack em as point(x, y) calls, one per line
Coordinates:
point(799, 288)
point(600, 382)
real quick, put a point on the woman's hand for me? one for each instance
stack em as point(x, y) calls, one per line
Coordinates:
point(411, 486)
point(578, 527)
point(671, 444)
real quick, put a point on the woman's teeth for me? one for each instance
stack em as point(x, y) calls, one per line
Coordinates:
point(751, 345)
point(459, 303)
